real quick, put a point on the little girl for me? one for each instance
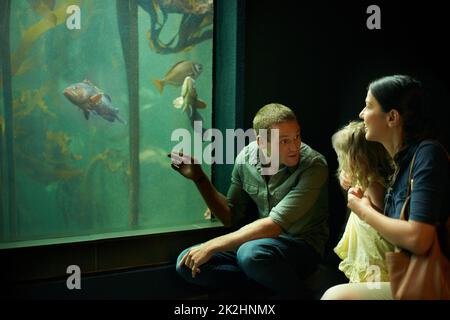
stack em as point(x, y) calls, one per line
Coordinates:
point(366, 165)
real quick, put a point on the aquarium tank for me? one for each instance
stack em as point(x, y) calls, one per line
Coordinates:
point(91, 93)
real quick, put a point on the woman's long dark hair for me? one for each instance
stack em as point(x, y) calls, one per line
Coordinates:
point(406, 95)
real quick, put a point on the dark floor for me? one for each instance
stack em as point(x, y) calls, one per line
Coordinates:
point(157, 283)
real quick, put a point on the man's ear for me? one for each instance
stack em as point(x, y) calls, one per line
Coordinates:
point(393, 118)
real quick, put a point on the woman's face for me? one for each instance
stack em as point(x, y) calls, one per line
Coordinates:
point(375, 119)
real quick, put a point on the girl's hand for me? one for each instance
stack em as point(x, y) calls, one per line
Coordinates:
point(358, 203)
point(357, 192)
point(344, 180)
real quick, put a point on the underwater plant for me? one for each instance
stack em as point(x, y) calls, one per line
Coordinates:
point(194, 28)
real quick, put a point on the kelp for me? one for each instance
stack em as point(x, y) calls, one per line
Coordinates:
point(107, 161)
point(34, 32)
point(128, 29)
point(193, 29)
point(43, 155)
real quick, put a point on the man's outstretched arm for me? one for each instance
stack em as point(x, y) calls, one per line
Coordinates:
point(216, 202)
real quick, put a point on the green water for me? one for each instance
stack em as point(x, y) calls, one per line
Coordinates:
point(72, 176)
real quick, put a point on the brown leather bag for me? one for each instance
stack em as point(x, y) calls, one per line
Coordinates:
point(418, 277)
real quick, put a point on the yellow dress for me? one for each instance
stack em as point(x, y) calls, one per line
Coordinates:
point(362, 250)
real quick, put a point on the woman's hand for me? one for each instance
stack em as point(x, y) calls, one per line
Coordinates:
point(187, 166)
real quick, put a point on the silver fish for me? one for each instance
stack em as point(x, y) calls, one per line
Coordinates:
point(189, 101)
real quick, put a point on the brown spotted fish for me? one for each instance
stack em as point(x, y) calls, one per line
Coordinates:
point(90, 99)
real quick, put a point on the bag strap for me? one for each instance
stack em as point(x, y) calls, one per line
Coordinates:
point(404, 213)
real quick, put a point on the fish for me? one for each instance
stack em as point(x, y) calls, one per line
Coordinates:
point(189, 101)
point(189, 98)
point(81, 94)
point(90, 99)
point(178, 73)
point(105, 109)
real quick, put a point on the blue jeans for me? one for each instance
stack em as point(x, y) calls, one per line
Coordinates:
point(280, 265)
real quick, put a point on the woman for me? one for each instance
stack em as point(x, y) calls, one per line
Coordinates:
point(366, 165)
point(394, 116)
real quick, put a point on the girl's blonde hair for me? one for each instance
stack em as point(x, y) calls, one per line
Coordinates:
point(363, 161)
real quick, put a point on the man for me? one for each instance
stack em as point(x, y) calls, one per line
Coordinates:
point(284, 245)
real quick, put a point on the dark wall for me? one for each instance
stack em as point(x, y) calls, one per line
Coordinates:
point(318, 58)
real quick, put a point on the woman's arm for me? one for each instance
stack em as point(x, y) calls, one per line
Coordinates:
point(411, 235)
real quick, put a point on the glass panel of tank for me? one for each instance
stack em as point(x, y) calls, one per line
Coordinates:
point(66, 117)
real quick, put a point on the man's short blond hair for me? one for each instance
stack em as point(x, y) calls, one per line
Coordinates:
point(271, 114)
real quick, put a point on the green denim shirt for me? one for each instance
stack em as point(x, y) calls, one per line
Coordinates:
point(296, 198)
